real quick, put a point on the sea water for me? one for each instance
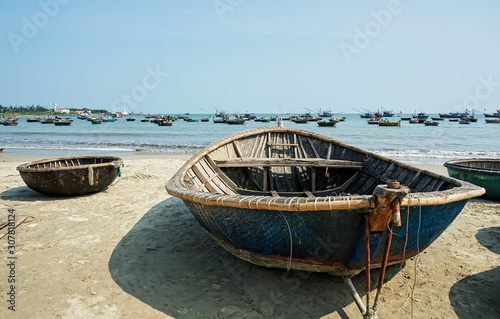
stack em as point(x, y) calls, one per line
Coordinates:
point(410, 143)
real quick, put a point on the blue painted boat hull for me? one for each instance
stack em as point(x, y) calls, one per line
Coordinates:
point(327, 241)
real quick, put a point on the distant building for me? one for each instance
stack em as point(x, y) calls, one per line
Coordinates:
point(80, 112)
point(63, 110)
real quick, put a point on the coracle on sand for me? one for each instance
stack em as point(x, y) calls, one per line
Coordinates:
point(288, 198)
point(481, 172)
point(69, 176)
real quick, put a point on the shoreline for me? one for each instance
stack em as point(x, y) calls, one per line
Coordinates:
point(23, 158)
point(133, 251)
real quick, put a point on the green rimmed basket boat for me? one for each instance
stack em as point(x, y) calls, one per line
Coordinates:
point(481, 172)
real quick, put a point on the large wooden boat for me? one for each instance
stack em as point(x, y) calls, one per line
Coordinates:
point(288, 198)
point(481, 172)
point(70, 176)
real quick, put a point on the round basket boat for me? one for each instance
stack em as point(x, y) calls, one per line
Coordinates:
point(69, 176)
point(288, 198)
point(481, 172)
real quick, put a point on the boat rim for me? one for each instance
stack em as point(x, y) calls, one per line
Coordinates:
point(176, 187)
point(25, 167)
point(462, 165)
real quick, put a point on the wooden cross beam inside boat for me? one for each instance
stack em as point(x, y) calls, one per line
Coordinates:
point(305, 162)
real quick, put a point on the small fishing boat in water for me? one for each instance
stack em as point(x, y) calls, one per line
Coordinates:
point(70, 176)
point(431, 123)
point(300, 120)
point(235, 121)
point(327, 123)
point(164, 123)
point(47, 120)
point(267, 195)
point(492, 121)
point(262, 119)
point(481, 172)
point(62, 122)
point(388, 123)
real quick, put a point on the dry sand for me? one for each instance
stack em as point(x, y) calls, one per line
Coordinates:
point(132, 251)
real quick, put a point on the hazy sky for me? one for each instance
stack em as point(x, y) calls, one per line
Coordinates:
point(257, 56)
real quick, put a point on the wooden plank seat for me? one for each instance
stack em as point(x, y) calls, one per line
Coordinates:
point(324, 193)
point(304, 162)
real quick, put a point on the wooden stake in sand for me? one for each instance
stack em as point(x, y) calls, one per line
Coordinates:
point(19, 222)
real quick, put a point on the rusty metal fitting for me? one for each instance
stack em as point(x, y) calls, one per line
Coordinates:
point(394, 184)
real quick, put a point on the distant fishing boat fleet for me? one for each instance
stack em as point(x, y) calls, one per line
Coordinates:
point(323, 118)
point(377, 118)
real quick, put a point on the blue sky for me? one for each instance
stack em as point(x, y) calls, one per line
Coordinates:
point(257, 56)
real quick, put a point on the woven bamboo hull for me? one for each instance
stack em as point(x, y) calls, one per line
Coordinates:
point(481, 172)
point(70, 176)
point(321, 241)
point(287, 198)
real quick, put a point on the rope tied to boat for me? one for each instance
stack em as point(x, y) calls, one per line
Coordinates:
point(118, 174)
point(416, 257)
point(91, 176)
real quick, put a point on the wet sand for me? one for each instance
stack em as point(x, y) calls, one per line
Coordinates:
point(133, 251)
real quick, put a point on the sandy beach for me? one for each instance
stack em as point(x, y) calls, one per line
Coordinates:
point(133, 251)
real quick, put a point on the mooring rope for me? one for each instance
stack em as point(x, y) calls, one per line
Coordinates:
point(416, 257)
point(289, 265)
point(118, 174)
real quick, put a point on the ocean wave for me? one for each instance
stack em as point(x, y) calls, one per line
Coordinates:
point(171, 149)
point(436, 154)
